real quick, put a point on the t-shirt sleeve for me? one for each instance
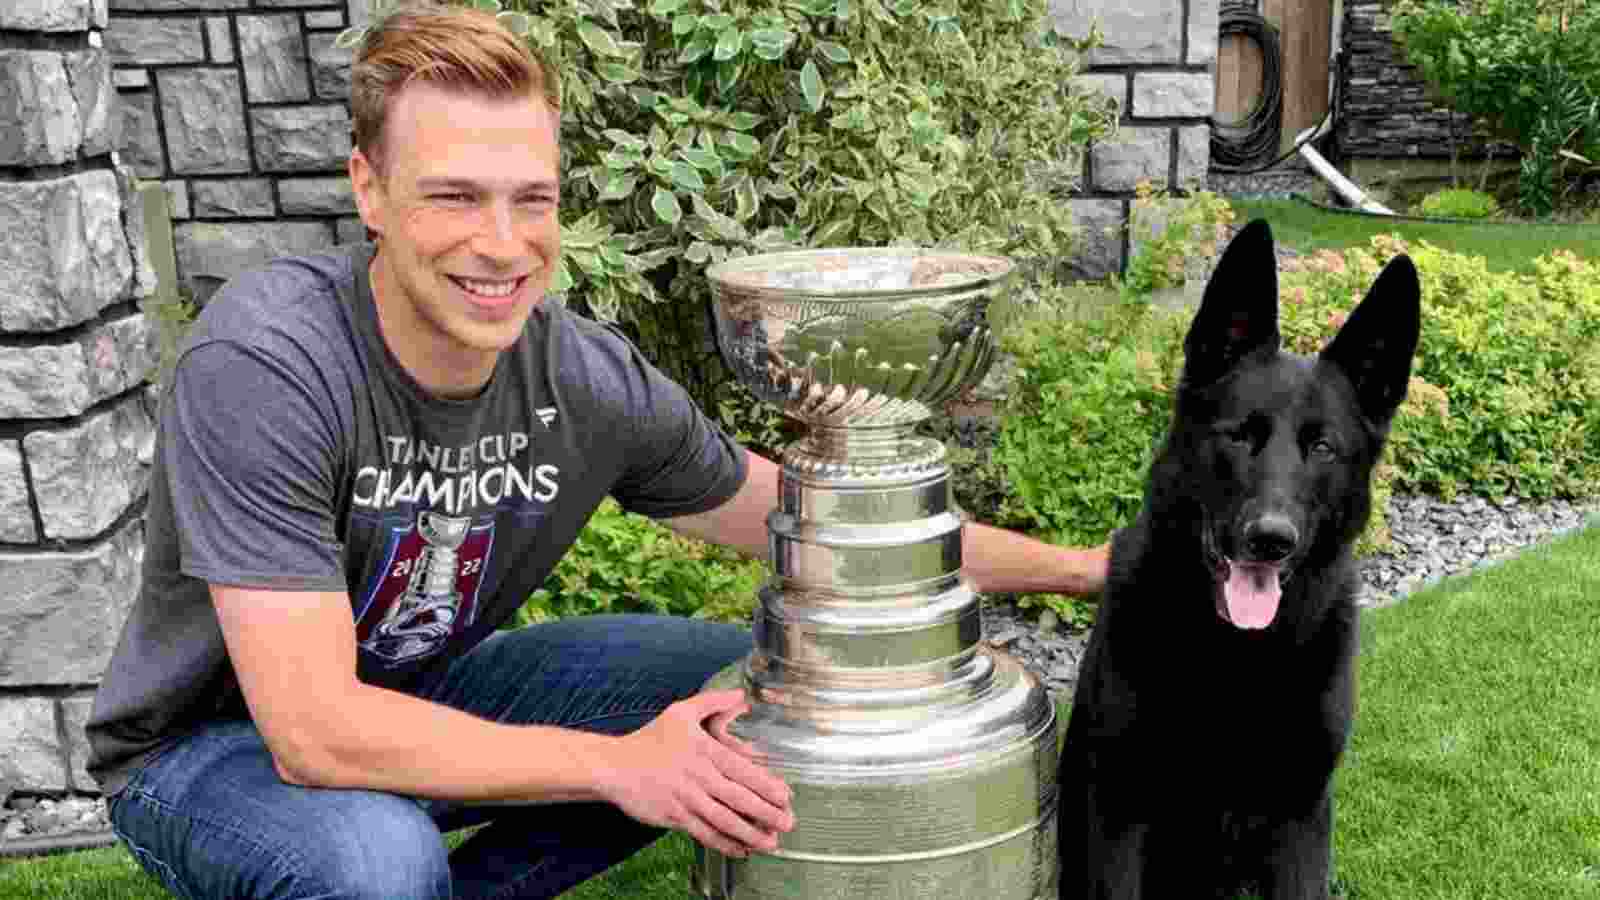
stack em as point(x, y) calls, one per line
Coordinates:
point(250, 457)
point(678, 461)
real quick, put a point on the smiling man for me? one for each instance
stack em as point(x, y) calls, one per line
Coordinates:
point(367, 460)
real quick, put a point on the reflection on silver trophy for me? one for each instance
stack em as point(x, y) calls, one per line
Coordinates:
point(423, 615)
point(922, 760)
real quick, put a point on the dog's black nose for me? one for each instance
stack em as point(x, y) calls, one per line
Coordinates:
point(1270, 538)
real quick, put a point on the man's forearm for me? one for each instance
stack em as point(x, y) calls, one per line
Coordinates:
point(1000, 561)
point(996, 560)
point(378, 739)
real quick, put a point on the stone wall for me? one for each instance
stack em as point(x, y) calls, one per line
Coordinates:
point(240, 108)
point(75, 353)
point(1158, 59)
point(1384, 108)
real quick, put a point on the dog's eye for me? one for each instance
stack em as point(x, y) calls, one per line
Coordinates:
point(1239, 433)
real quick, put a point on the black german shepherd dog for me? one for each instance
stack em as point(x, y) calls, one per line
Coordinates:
point(1217, 691)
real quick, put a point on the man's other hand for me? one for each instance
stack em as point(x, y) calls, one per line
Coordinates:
point(675, 773)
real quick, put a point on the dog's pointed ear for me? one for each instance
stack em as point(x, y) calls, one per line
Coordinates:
point(1239, 311)
point(1375, 345)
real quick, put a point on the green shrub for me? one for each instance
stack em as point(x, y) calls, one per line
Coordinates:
point(1507, 375)
point(1174, 239)
point(1091, 400)
point(1459, 203)
point(1530, 68)
point(626, 563)
point(695, 130)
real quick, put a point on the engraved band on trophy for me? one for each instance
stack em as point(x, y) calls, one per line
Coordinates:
point(922, 761)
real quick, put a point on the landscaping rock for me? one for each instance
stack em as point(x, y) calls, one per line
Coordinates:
point(32, 818)
point(1433, 539)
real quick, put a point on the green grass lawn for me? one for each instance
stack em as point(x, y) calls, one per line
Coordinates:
point(1506, 247)
point(1474, 771)
point(1475, 768)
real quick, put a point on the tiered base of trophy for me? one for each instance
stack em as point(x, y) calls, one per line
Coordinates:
point(922, 760)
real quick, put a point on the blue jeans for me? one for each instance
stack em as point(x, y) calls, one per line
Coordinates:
point(209, 817)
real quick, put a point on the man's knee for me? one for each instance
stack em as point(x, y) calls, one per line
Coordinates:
point(373, 847)
point(295, 843)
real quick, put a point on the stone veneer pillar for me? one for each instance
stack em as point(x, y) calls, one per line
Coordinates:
point(1386, 110)
point(75, 353)
point(1158, 59)
point(240, 108)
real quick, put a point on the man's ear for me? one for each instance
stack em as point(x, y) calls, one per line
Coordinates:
point(366, 182)
point(1375, 345)
point(1239, 311)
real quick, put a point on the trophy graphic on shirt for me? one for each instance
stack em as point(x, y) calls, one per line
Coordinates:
point(424, 613)
point(922, 761)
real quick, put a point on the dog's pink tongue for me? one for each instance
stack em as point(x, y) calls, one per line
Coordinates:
point(1252, 594)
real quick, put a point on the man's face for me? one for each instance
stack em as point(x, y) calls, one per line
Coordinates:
point(466, 208)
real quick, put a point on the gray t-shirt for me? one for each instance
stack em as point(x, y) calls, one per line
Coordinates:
point(295, 453)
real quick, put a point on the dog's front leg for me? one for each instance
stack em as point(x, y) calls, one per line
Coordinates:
point(1105, 859)
point(1120, 875)
point(1298, 858)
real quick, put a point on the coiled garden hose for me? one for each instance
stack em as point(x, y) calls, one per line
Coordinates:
point(1235, 145)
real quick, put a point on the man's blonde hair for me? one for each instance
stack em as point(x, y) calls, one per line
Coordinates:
point(453, 47)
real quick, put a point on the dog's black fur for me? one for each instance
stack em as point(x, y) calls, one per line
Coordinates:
point(1208, 720)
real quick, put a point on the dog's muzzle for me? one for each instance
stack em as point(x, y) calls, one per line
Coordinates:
point(1249, 587)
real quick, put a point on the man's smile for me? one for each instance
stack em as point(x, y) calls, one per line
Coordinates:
point(490, 291)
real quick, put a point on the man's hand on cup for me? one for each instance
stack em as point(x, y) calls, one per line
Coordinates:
point(685, 771)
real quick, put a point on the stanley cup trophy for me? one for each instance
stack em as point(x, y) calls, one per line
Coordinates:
point(922, 761)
